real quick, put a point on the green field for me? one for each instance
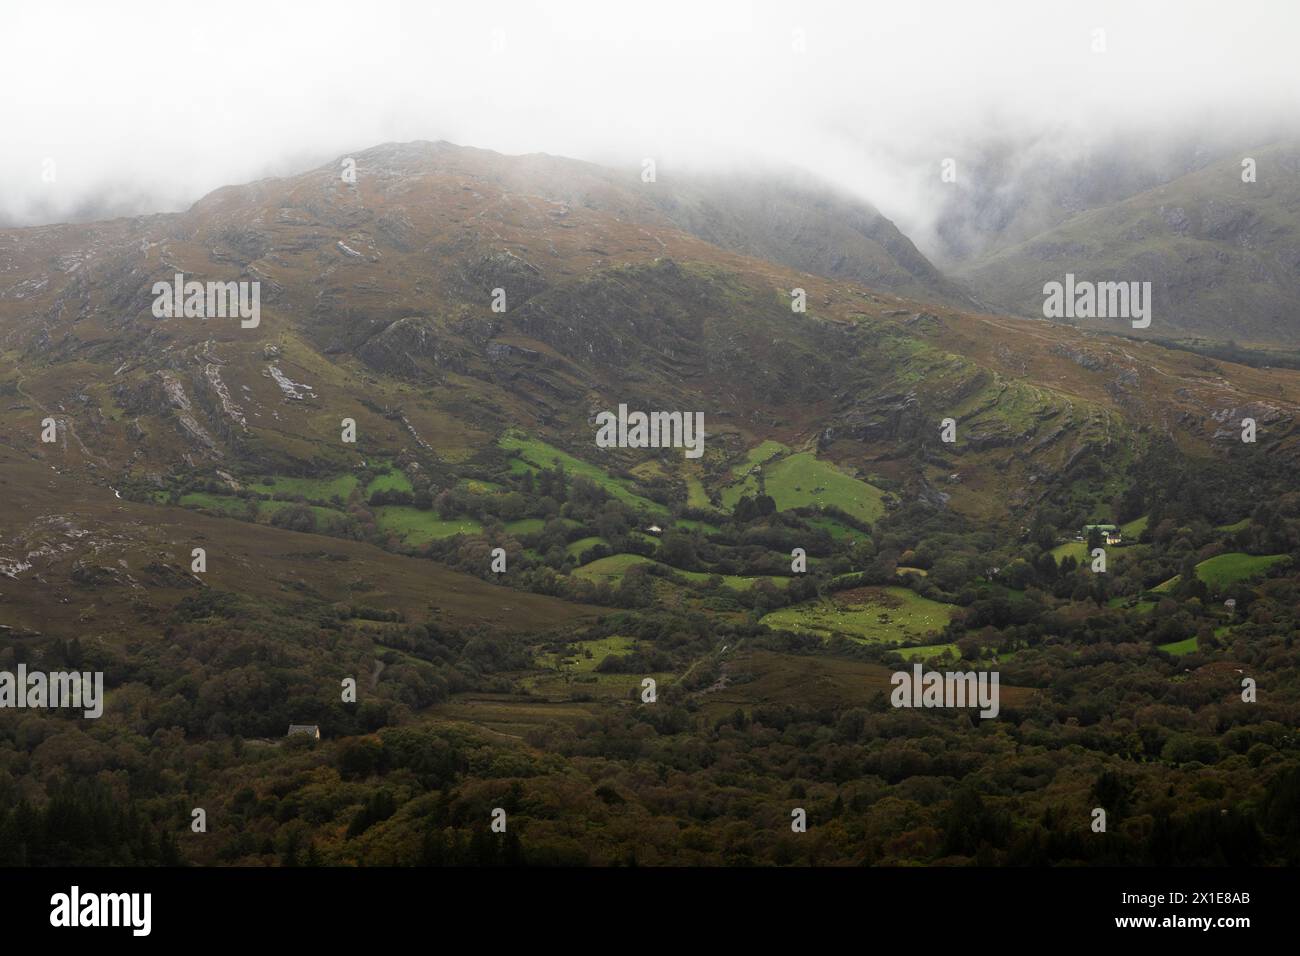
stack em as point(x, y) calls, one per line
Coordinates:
point(416, 527)
point(746, 472)
point(574, 671)
point(803, 480)
point(1075, 549)
point(836, 529)
point(1132, 530)
point(310, 489)
point(233, 507)
point(541, 455)
point(871, 615)
point(586, 655)
point(696, 495)
point(758, 455)
point(575, 548)
point(324, 516)
point(613, 568)
point(1241, 525)
point(1179, 648)
point(1224, 570)
point(391, 481)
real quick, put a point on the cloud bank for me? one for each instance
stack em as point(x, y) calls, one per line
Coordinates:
point(144, 107)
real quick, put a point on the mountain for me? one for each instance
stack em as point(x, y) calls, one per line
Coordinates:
point(188, 515)
point(1011, 187)
point(795, 220)
point(1223, 255)
point(377, 296)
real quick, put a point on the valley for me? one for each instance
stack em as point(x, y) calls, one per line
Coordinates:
point(369, 551)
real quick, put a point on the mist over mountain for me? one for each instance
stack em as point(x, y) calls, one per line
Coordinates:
point(1223, 255)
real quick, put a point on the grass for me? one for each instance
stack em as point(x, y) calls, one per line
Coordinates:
point(541, 455)
point(696, 495)
point(310, 489)
point(576, 548)
point(734, 581)
point(759, 455)
point(324, 516)
point(836, 529)
point(611, 568)
point(1132, 530)
point(802, 480)
point(615, 566)
point(394, 480)
point(1179, 648)
point(1224, 570)
point(416, 527)
point(870, 615)
point(587, 655)
point(733, 493)
point(574, 670)
point(1241, 525)
point(1075, 549)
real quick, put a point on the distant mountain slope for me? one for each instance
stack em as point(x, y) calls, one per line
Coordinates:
point(803, 223)
point(1223, 256)
point(785, 216)
point(376, 309)
point(377, 306)
point(1011, 187)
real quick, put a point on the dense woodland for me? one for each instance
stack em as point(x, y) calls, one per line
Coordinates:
point(1187, 772)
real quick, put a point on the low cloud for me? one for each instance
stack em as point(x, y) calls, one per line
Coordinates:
point(147, 106)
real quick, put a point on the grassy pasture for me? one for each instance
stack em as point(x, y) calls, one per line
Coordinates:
point(802, 480)
point(394, 480)
point(1180, 648)
point(415, 527)
point(870, 615)
point(613, 568)
point(1224, 570)
point(574, 671)
point(310, 489)
point(537, 453)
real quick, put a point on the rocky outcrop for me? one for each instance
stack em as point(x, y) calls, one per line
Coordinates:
point(414, 348)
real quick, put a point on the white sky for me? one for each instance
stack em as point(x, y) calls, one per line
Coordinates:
point(145, 106)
